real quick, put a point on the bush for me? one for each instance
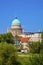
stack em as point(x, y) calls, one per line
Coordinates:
point(34, 47)
point(41, 45)
point(41, 48)
point(33, 59)
point(8, 55)
point(36, 60)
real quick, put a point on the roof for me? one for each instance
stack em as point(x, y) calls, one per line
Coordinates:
point(22, 39)
point(31, 32)
point(16, 22)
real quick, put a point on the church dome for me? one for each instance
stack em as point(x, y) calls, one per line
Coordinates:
point(16, 22)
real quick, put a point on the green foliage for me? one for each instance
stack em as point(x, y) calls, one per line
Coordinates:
point(37, 47)
point(42, 36)
point(36, 60)
point(41, 45)
point(8, 37)
point(8, 55)
point(1, 38)
point(33, 59)
point(34, 47)
point(41, 48)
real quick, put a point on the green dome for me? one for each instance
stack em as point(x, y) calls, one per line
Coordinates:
point(16, 22)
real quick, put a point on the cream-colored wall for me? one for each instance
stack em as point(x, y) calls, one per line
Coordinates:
point(15, 27)
point(33, 37)
point(36, 37)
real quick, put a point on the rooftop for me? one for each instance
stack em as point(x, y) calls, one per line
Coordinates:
point(16, 22)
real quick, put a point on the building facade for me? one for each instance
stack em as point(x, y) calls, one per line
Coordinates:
point(16, 29)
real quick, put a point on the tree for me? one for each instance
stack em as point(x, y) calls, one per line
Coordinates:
point(41, 45)
point(2, 37)
point(8, 55)
point(34, 47)
point(8, 37)
point(42, 36)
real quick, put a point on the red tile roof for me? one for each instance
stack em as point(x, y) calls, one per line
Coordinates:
point(22, 39)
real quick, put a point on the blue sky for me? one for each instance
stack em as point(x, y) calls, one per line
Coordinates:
point(29, 12)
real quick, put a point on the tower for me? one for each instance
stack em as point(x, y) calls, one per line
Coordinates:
point(16, 28)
